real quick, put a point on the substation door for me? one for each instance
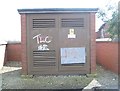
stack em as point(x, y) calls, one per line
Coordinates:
point(74, 43)
point(58, 43)
point(42, 43)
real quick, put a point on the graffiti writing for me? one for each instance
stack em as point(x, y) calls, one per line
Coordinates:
point(42, 39)
point(43, 47)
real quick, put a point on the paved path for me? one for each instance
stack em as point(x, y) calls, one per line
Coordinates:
point(93, 84)
point(106, 78)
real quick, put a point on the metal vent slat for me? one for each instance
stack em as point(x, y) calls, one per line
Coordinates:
point(44, 58)
point(72, 22)
point(43, 23)
point(44, 64)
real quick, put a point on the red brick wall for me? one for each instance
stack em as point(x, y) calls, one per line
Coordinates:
point(13, 52)
point(93, 43)
point(24, 44)
point(107, 55)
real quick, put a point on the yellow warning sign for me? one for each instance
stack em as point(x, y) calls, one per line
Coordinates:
point(71, 33)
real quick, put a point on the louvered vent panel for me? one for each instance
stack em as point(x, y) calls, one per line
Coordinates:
point(72, 22)
point(44, 58)
point(43, 23)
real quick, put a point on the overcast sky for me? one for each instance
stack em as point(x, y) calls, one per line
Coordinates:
point(10, 28)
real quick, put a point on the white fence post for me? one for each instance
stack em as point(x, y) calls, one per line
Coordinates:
point(2, 53)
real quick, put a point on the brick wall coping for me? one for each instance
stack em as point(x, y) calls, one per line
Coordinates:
point(107, 42)
point(14, 42)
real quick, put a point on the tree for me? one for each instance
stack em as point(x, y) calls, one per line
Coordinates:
point(112, 21)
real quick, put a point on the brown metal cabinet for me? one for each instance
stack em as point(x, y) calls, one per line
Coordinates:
point(58, 41)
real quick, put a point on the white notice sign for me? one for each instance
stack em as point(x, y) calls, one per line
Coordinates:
point(71, 36)
point(73, 55)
